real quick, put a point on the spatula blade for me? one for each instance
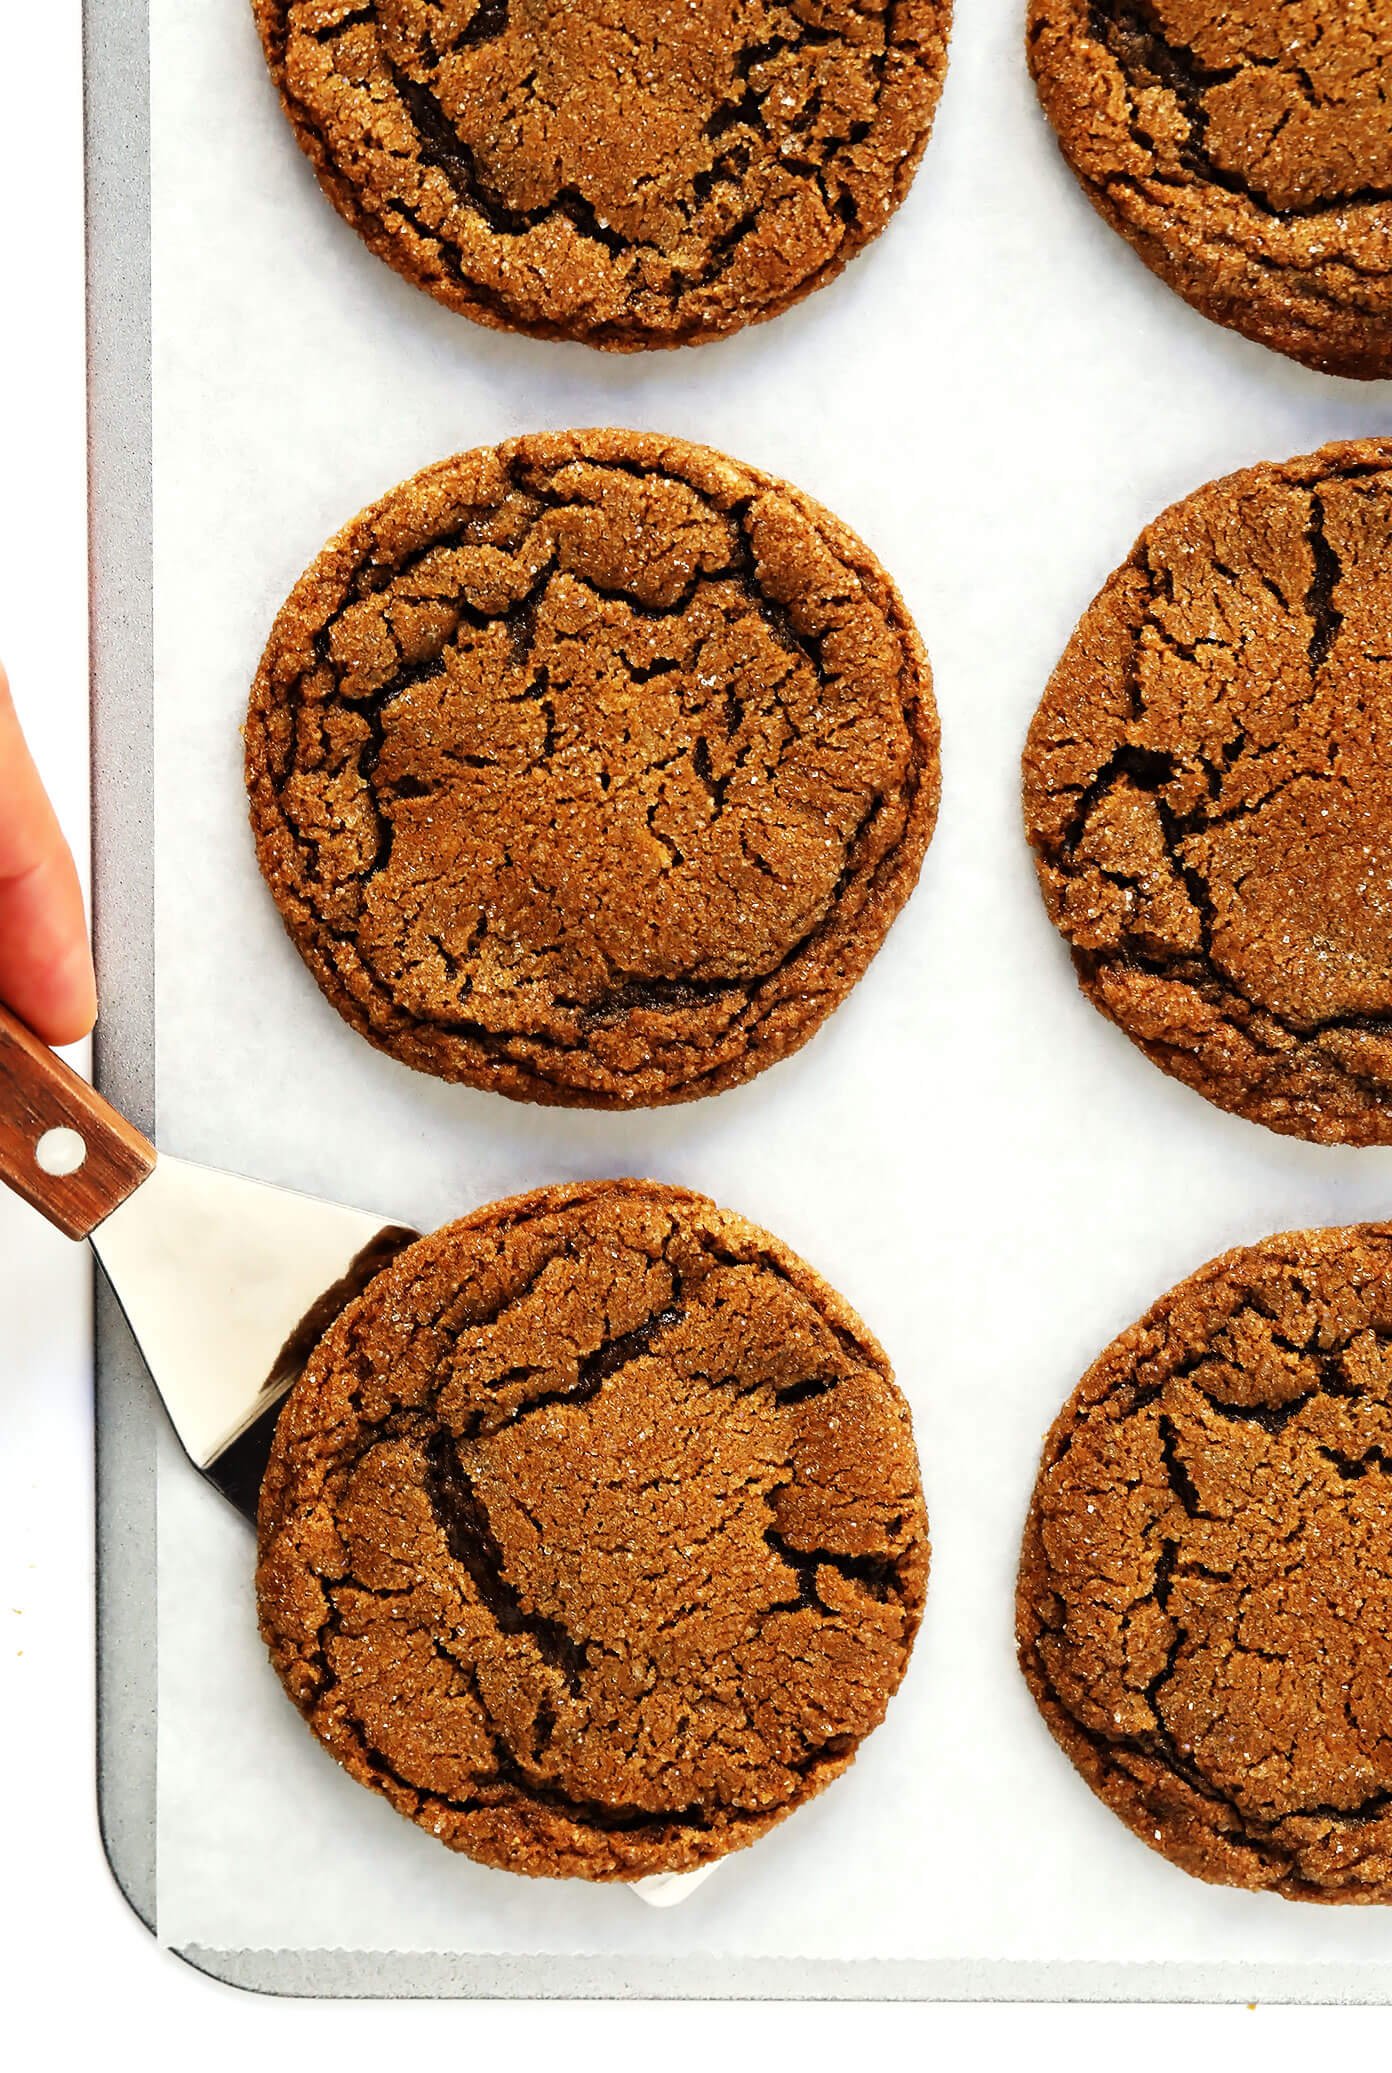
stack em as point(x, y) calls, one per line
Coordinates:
point(226, 1284)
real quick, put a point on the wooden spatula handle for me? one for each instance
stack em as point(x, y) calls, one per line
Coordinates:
point(75, 1185)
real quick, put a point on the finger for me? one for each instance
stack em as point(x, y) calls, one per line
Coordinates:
point(45, 961)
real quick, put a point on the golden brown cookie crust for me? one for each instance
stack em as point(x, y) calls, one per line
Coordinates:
point(592, 768)
point(593, 1535)
point(1205, 1595)
point(1245, 151)
point(643, 174)
point(1206, 791)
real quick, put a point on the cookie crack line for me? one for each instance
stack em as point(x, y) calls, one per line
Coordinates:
point(462, 1518)
point(490, 20)
point(878, 1575)
point(1325, 617)
point(593, 1370)
point(446, 150)
point(651, 994)
point(1158, 1747)
point(372, 578)
point(1329, 1355)
point(1160, 1743)
point(1135, 36)
point(607, 1817)
point(1151, 769)
point(518, 618)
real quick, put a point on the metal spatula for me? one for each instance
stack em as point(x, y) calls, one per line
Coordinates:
point(226, 1283)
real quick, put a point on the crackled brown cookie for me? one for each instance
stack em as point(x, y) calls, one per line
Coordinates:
point(592, 1536)
point(1245, 151)
point(592, 768)
point(1208, 790)
point(1205, 1600)
point(636, 174)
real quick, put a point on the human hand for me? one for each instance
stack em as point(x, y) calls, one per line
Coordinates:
point(45, 960)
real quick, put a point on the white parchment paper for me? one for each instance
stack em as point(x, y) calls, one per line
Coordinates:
point(997, 396)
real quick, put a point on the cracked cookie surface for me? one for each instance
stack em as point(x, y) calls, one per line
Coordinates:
point(1205, 1595)
point(1207, 792)
point(626, 172)
point(592, 768)
point(592, 1536)
point(1245, 151)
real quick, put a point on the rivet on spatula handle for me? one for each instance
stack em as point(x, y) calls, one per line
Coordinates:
point(63, 1148)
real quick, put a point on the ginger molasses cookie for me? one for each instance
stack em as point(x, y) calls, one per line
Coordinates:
point(592, 1536)
point(1205, 1600)
point(635, 174)
point(1246, 153)
point(1208, 790)
point(592, 768)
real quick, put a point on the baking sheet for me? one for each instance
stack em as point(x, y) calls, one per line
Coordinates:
point(997, 396)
